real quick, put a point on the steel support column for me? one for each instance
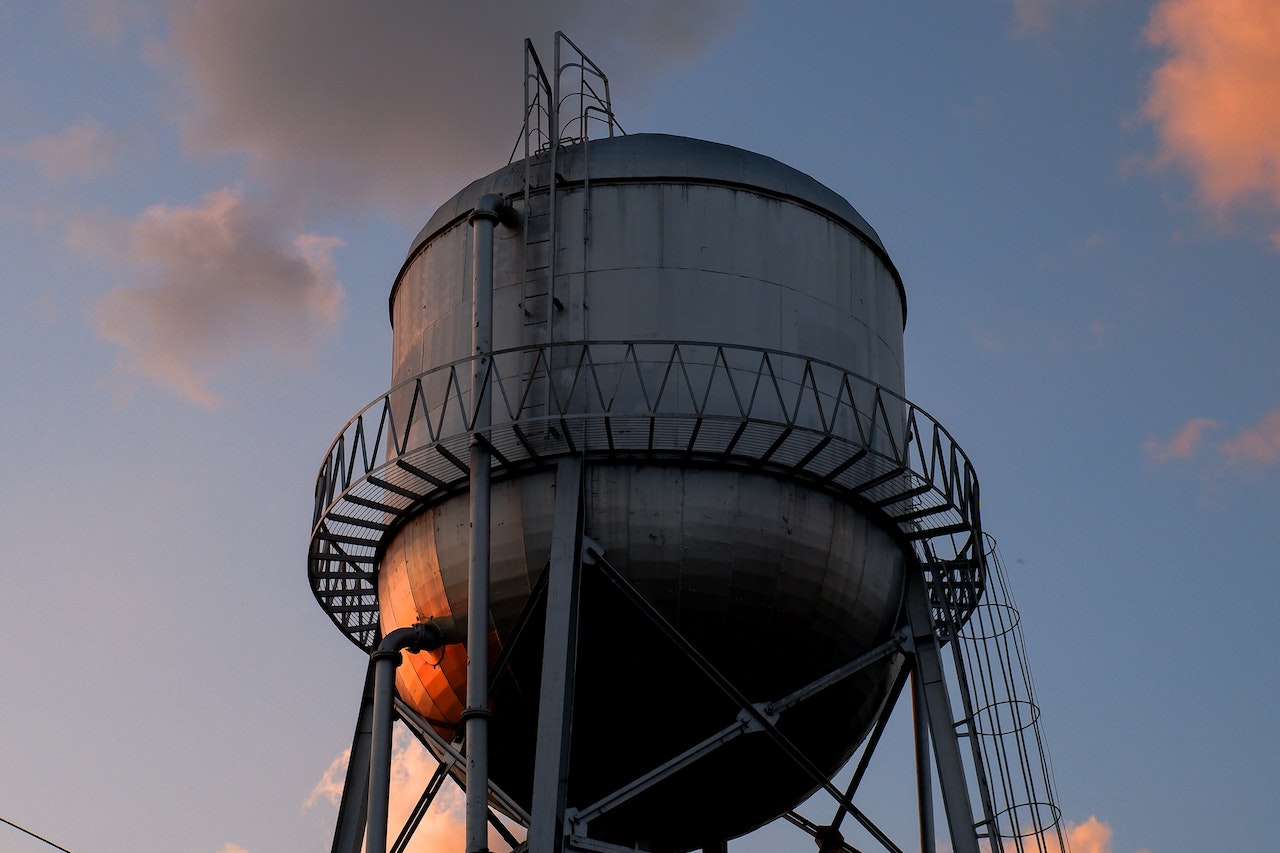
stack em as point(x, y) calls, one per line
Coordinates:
point(559, 656)
point(924, 775)
point(348, 833)
point(937, 708)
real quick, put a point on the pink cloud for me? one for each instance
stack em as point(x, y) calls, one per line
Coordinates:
point(1215, 100)
point(329, 788)
point(1033, 15)
point(443, 827)
point(1092, 836)
point(82, 150)
point(105, 21)
point(987, 341)
point(1258, 444)
point(1184, 444)
point(213, 285)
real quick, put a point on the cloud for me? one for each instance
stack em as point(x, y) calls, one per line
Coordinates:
point(105, 21)
point(1035, 17)
point(987, 341)
point(395, 102)
point(1184, 444)
point(330, 105)
point(1258, 444)
point(232, 848)
point(1031, 16)
point(1092, 836)
point(1215, 100)
point(329, 788)
point(443, 827)
point(1100, 328)
point(82, 150)
point(217, 284)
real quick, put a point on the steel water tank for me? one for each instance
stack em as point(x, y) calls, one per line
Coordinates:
point(649, 313)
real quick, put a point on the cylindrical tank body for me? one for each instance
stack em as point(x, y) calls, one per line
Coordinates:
point(662, 238)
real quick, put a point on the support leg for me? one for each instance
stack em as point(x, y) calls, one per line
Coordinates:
point(937, 707)
point(348, 833)
point(924, 775)
point(555, 702)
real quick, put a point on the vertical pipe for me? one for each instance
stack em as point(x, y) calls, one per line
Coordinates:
point(477, 710)
point(476, 714)
point(384, 660)
point(554, 118)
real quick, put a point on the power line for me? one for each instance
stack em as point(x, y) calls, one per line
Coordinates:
point(33, 835)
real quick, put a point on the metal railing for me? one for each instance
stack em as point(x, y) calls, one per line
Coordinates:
point(671, 402)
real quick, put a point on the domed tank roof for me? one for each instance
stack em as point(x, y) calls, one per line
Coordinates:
point(649, 157)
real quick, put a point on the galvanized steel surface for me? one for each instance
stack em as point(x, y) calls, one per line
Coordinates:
point(661, 238)
point(719, 338)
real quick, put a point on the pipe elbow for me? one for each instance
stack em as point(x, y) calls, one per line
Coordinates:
point(423, 636)
point(497, 208)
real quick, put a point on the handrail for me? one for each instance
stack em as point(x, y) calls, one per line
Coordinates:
point(675, 402)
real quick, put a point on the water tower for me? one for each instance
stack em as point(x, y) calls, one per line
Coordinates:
point(648, 415)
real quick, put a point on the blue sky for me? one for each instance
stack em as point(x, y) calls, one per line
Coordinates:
point(204, 206)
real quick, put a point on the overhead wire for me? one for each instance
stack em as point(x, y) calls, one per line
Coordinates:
point(35, 836)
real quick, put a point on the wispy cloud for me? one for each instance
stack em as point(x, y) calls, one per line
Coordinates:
point(1035, 17)
point(1256, 445)
point(211, 286)
point(987, 342)
point(443, 827)
point(105, 21)
point(83, 150)
point(394, 103)
point(329, 788)
point(1184, 443)
point(1215, 99)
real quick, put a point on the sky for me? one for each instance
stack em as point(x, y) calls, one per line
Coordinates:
point(203, 206)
